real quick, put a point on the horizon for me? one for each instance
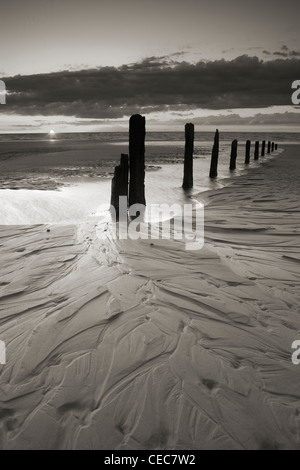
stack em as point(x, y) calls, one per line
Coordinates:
point(229, 129)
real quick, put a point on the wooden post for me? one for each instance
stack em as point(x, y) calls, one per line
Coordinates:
point(233, 155)
point(215, 157)
point(119, 184)
point(248, 148)
point(263, 148)
point(125, 169)
point(256, 151)
point(137, 132)
point(273, 146)
point(188, 156)
point(276, 146)
point(269, 147)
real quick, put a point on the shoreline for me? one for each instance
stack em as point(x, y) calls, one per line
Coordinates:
point(47, 166)
point(163, 183)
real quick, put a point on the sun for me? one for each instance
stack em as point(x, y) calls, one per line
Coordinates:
point(52, 133)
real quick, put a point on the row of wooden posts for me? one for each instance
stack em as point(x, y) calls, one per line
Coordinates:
point(213, 173)
point(129, 180)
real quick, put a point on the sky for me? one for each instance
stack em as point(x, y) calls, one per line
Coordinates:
point(89, 64)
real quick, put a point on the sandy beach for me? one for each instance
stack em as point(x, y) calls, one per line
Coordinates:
point(120, 344)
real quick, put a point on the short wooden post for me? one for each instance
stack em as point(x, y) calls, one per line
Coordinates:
point(137, 133)
point(269, 147)
point(276, 146)
point(233, 155)
point(273, 147)
point(119, 185)
point(263, 148)
point(215, 157)
point(256, 151)
point(188, 156)
point(248, 149)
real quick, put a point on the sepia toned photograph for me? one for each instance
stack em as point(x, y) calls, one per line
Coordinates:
point(149, 227)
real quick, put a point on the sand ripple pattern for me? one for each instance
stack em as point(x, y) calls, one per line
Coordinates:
point(131, 346)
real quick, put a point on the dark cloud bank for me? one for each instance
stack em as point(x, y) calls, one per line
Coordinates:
point(155, 84)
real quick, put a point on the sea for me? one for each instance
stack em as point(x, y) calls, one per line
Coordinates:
point(280, 137)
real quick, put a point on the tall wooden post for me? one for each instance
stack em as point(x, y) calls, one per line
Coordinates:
point(188, 156)
point(248, 148)
point(263, 148)
point(215, 157)
point(233, 155)
point(137, 133)
point(273, 146)
point(269, 147)
point(256, 151)
point(119, 185)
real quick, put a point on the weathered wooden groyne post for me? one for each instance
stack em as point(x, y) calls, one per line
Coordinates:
point(273, 147)
point(276, 146)
point(188, 156)
point(233, 155)
point(263, 148)
point(256, 151)
point(269, 147)
point(247, 154)
point(215, 157)
point(137, 133)
point(119, 184)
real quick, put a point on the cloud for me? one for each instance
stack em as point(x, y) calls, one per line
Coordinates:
point(284, 52)
point(281, 54)
point(154, 84)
